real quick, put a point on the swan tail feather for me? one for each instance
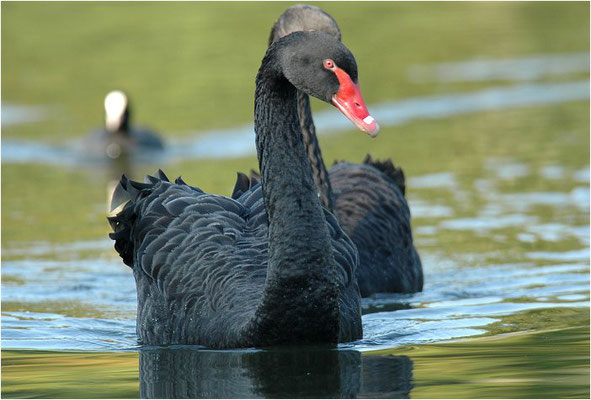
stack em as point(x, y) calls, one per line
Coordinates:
point(161, 175)
point(127, 192)
point(121, 234)
point(255, 178)
point(245, 183)
point(151, 179)
point(390, 170)
point(120, 195)
point(139, 185)
point(241, 186)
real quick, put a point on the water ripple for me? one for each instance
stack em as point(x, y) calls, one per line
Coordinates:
point(239, 142)
point(521, 69)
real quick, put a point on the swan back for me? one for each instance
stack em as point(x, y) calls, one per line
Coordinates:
point(372, 209)
point(200, 264)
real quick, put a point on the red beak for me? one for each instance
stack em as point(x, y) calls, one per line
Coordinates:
point(349, 100)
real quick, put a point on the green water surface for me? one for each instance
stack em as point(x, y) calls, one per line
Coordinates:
point(190, 67)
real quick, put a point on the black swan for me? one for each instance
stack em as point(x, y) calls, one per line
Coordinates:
point(368, 199)
point(119, 138)
point(270, 267)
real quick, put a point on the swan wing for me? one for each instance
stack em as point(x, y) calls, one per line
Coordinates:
point(200, 260)
point(372, 209)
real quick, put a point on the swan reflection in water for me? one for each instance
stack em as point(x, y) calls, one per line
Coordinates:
point(284, 372)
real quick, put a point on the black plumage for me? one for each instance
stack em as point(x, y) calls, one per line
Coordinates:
point(269, 266)
point(368, 198)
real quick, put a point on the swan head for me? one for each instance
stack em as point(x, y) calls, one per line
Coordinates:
point(304, 17)
point(321, 66)
point(116, 111)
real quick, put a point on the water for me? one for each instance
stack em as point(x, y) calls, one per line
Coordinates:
point(522, 69)
point(18, 114)
point(456, 302)
point(238, 142)
point(501, 223)
point(470, 370)
point(78, 297)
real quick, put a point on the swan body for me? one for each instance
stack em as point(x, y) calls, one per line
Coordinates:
point(269, 266)
point(370, 206)
point(200, 262)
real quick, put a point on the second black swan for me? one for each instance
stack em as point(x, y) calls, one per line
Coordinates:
point(269, 267)
point(368, 198)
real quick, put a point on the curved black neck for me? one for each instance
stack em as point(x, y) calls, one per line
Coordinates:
point(319, 171)
point(301, 272)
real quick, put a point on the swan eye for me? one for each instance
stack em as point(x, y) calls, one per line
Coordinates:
point(329, 64)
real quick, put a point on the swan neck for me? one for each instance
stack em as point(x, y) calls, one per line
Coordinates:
point(301, 272)
point(290, 195)
point(319, 171)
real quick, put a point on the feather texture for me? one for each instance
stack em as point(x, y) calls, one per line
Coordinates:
point(267, 266)
point(200, 262)
point(367, 198)
point(373, 211)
